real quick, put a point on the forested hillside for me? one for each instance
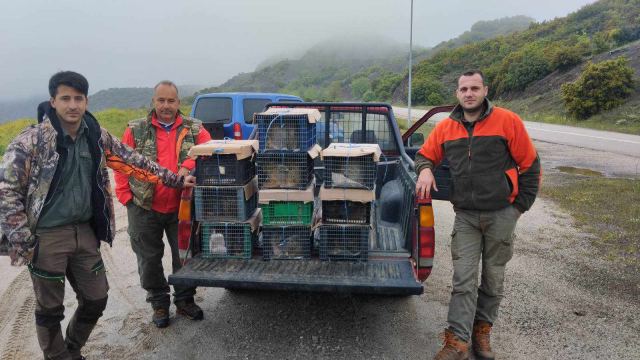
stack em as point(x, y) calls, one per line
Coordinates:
point(129, 98)
point(354, 69)
point(511, 63)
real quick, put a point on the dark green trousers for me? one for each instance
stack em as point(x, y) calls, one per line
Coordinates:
point(71, 252)
point(486, 235)
point(146, 228)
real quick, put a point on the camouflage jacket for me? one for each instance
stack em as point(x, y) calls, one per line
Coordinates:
point(144, 135)
point(30, 172)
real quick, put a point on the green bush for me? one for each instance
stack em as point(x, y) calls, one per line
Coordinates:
point(428, 91)
point(601, 86)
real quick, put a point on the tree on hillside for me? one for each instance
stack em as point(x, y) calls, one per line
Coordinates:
point(601, 86)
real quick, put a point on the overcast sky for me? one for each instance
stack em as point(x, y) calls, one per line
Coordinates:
point(122, 43)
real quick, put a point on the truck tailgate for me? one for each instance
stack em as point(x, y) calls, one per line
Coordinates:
point(386, 276)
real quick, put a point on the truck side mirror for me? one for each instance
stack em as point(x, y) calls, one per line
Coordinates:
point(416, 140)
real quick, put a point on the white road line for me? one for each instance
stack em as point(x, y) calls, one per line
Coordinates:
point(589, 136)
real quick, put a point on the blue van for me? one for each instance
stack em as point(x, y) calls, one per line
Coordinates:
point(234, 111)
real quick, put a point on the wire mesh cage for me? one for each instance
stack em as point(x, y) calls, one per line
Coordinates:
point(287, 213)
point(357, 172)
point(223, 203)
point(291, 132)
point(284, 170)
point(346, 212)
point(226, 240)
point(224, 169)
point(344, 242)
point(286, 242)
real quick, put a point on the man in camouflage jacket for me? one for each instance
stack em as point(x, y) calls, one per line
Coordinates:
point(57, 206)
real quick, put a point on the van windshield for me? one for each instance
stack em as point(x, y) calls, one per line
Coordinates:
point(211, 110)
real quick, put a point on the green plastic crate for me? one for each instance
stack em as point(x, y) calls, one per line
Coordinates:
point(287, 213)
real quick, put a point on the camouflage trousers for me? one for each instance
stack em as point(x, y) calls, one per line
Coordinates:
point(146, 228)
point(486, 235)
point(69, 251)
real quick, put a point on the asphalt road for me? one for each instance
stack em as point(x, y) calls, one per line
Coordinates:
point(565, 135)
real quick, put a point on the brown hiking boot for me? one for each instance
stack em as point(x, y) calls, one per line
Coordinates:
point(453, 348)
point(480, 339)
point(161, 317)
point(190, 310)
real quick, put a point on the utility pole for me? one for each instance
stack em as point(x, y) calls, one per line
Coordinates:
point(410, 66)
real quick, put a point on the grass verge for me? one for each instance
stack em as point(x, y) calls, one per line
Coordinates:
point(114, 120)
point(606, 207)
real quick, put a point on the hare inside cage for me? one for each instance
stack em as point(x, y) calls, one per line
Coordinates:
point(282, 176)
point(352, 175)
point(283, 136)
point(291, 246)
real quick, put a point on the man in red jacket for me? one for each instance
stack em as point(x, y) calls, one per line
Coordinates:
point(165, 136)
point(495, 175)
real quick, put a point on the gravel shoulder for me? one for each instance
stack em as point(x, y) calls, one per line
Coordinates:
point(561, 301)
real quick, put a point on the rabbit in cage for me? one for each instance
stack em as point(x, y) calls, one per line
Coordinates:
point(282, 137)
point(216, 244)
point(291, 247)
point(282, 176)
point(349, 175)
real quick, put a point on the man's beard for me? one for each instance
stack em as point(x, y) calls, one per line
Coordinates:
point(475, 109)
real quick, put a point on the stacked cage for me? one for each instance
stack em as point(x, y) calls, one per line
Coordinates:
point(347, 196)
point(226, 198)
point(287, 150)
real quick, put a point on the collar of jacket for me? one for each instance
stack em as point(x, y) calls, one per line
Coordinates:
point(457, 113)
point(152, 117)
point(89, 120)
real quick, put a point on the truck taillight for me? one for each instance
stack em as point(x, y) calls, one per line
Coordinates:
point(426, 239)
point(426, 215)
point(427, 242)
point(237, 131)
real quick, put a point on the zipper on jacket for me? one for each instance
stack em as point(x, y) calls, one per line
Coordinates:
point(469, 127)
point(105, 206)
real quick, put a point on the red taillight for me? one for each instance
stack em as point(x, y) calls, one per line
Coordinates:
point(237, 131)
point(427, 242)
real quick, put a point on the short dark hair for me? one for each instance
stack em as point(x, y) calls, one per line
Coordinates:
point(168, 83)
point(473, 72)
point(68, 78)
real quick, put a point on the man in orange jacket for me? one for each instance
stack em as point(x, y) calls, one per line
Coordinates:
point(495, 175)
point(165, 136)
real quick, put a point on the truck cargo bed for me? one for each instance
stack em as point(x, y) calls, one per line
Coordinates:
point(388, 276)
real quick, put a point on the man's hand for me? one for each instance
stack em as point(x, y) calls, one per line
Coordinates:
point(183, 171)
point(425, 182)
point(189, 181)
point(20, 257)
